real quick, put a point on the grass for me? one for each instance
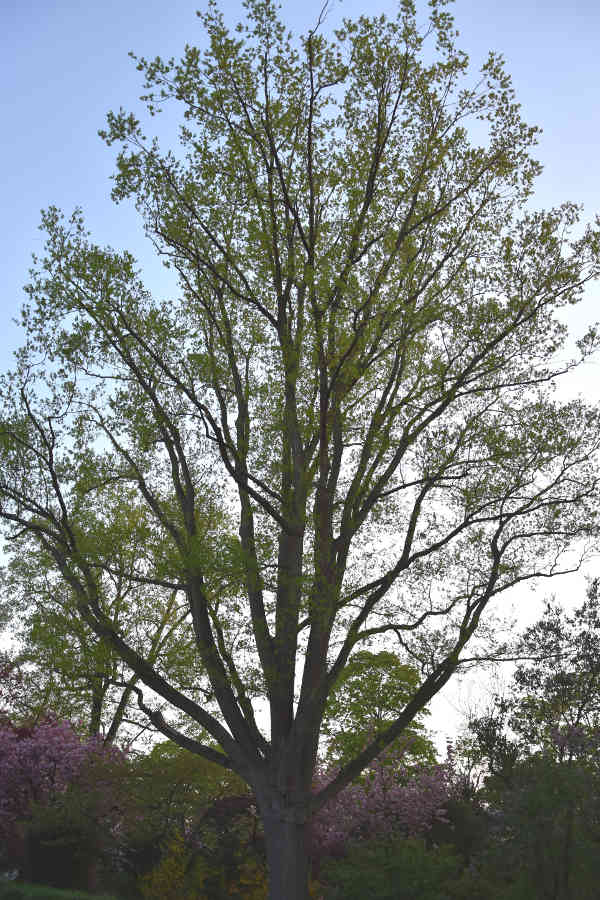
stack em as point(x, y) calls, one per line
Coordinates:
point(12, 890)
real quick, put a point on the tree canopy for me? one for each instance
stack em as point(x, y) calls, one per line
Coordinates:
point(355, 379)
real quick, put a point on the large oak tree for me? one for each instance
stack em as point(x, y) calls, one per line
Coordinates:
point(362, 349)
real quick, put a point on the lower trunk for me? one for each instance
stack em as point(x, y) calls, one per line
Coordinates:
point(19, 851)
point(92, 875)
point(286, 844)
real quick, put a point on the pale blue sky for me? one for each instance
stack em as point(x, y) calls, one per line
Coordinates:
point(64, 64)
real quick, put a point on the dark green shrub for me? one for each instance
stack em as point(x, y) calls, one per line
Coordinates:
point(546, 847)
point(466, 828)
point(10, 891)
point(401, 869)
point(162, 793)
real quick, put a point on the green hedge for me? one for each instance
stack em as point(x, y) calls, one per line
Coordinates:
point(401, 869)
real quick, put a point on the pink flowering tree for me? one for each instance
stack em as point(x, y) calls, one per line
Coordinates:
point(393, 799)
point(52, 782)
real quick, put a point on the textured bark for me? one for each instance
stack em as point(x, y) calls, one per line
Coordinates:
point(286, 842)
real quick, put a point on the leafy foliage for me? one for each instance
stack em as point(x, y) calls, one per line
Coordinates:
point(540, 744)
point(165, 793)
point(367, 696)
point(62, 664)
point(167, 880)
point(400, 869)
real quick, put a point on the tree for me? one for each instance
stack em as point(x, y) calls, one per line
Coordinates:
point(361, 352)
point(542, 809)
point(540, 746)
point(366, 698)
point(11, 682)
point(552, 706)
point(384, 806)
point(56, 790)
point(556, 700)
point(166, 792)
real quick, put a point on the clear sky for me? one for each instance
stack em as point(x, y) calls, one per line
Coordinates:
point(64, 64)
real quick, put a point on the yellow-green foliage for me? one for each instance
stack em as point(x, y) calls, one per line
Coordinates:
point(167, 881)
point(250, 881)
point(171, 879)
point(246, 880)
point(315, 890)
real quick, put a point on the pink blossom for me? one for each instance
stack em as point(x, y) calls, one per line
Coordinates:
point(37, 763)
point(392, 800)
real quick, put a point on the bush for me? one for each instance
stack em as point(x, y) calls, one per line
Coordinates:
point(184, 875)
point(401, 869)
point(466, 828)
point(167, 881)
point(162, 793)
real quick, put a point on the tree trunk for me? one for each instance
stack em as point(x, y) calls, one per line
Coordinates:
point(19, 849)
point(92, 879)
point(565, 892)
point(286, 844)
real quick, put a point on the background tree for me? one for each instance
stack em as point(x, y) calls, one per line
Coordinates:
point(368, 695)
point(64, 667)
point(166, 792)
point(553, 704)
point(540, 745)
point(541, 836)
point(59, 795)
point(361, 351)
point(556, 699)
